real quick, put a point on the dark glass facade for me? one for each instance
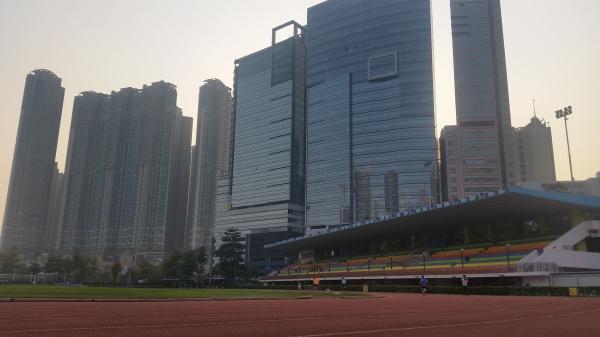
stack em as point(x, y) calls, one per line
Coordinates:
point(371, 119)
point(266, 190)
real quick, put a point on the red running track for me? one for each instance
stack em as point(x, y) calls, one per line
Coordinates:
point(403, 315)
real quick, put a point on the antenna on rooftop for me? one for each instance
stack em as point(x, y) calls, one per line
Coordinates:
point(534, 112)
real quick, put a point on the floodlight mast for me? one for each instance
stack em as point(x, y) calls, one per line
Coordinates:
point(563, 114)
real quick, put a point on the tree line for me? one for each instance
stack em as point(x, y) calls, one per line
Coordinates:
point(188, 268)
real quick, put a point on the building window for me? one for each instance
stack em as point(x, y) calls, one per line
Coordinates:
point(383, 66)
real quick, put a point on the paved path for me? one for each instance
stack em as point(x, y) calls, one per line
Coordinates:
point(403, 315)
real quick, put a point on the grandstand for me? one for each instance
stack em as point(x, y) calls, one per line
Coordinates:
point(486, 236)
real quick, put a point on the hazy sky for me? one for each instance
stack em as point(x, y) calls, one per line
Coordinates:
point(552, 46)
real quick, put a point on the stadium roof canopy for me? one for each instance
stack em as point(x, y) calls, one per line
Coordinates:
point(486, 208)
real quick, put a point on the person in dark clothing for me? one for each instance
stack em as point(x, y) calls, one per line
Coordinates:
point(423, 282)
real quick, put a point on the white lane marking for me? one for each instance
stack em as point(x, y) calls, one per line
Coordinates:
point(425, 327)
point(197, 324)
point(181, 325)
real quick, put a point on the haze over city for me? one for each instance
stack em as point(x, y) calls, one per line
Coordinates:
point(296, 168)
point(552, 53)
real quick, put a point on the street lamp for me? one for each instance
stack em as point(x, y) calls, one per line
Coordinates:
point(462, 260)
point(563, 114)
point(508, 257)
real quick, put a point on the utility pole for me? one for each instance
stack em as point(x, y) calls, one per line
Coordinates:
point(508, 257)
point(210, 260)
point(563, 114)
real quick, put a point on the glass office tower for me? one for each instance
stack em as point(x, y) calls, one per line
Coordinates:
point(266, 194)
point(483, 118)
point(371, 119)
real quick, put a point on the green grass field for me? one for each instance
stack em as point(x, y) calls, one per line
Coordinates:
point(64, 292)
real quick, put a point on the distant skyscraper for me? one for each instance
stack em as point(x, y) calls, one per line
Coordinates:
point(211, 160)
point(33, 167)
point(535, 153)
point(364, 202)
point(370, 109)
point(482, 103)
point(266, 198)
point(126, 173)
point(142, 224)
point(392, 200)
point(450, 174)
point(80, 230)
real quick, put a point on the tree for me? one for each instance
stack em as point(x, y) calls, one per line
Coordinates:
point(146, 271)
point(230, 254)
point(53, 265)
point(192, 263)
point(116, 270)
point(84, 268)
point(35, 268)
point(171, 267)
point(67, 268)
point(9, 262)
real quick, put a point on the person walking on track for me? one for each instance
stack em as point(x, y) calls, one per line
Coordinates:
point(423, 282)
point(465, 284)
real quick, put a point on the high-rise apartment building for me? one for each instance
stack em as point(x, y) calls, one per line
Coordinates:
point(84, 195)
point(482, 102)
point(53, 226)
point(535, 153)
point(211, 160)
point(266, 190)
point(179, 184)
point(371, 121)
point(126, 174)
point(33, 167)
point(142, 225)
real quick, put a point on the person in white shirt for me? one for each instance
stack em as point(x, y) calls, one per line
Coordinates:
point(465, 284)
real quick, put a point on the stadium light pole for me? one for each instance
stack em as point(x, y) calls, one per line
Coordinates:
point(423, 255)
point(332, 259)
point(287, 265)
point(462, 260)
point(564, 113)
point(508, 257)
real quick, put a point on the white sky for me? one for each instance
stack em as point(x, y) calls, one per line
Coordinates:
point(552, 46)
